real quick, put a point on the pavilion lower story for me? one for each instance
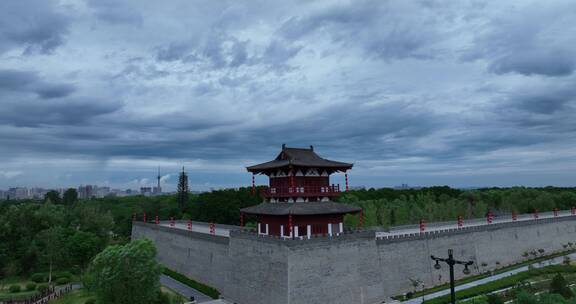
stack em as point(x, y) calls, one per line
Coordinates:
point(300, 219)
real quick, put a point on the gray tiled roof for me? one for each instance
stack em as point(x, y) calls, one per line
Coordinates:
point(310, 208)
point(299, 157)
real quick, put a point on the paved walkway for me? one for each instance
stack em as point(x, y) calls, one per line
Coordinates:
point(183, 289)
point(553, 261)
point(198, 227)
point(440, 226)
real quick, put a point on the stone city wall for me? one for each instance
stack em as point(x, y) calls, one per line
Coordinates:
point(354, 267)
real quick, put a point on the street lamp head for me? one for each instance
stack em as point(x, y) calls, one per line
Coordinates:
point(437, 266)
point(466, 271)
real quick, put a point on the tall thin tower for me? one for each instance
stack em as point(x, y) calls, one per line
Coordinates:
point(158, 187)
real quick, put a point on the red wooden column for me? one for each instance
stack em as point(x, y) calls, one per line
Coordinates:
point(514, 216)
point(573, 210)
point(290, 224)
point(536, 214)
point(241, 219)
point(212, 228)
point(460, 221)
point(361, 218)
point(555, 212)
point(144, 217)
point(171, 221)
point(156, 220)
point(190, 225)
point(422, 226)
point(489, 217)
point(292, 181)
point(346, 176)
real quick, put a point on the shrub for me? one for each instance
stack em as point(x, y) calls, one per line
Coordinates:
point(42, 287)
point(62, 274)
point(494, 299)
point(90, 301)
point(14, 288)
point(560, 286)
point(62, 281)
point(207, 290)
point(38, 278)
point(31, 286)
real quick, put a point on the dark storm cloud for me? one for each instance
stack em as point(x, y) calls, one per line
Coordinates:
point(545, 111)
point(30, 82)
point(419, 86)
point(33, 26)
point(529, 62)
point(384, 29)
point(536, 39)
point(59, 112)
point(116, 12)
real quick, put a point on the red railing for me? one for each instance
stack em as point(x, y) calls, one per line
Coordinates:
point(302, 191)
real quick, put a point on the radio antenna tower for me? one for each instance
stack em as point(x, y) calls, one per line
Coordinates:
point(159, 189)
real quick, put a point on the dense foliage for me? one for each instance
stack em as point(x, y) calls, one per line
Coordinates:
point(126, 274)
point(390, 207)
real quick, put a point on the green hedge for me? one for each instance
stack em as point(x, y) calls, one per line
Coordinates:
point(14, 288)
point(503, 283)
point(205, 289)
point(31, 286)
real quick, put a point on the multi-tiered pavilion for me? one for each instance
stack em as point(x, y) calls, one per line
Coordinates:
point(298, 201)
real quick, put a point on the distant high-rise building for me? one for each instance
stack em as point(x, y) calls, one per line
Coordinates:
point(146, 191)
point(86, 192)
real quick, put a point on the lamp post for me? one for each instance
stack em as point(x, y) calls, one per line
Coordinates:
point(451, 262)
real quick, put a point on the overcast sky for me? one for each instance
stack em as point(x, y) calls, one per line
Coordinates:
point(463, 93)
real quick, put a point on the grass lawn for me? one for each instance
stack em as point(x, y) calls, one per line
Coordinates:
point(75, 297)
point(5, 284)
point(80, 296)
point(5, 295)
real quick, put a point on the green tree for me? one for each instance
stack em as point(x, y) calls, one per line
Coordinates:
point(526, 298)
point(560, 286)
point(52, 248)
point(182, 190)
point(82, 247)
point(53, 197)
point(70, 196)
point(125, 274)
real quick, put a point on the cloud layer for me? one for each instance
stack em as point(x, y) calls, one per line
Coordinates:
point(466, 93)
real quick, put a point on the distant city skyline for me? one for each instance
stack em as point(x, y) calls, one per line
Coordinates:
point(460, 93)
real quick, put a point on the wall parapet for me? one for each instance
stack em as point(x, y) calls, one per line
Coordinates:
point(454, 231)
point(198, 235)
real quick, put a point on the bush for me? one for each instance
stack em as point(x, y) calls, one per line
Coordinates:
point(90, 301)
point(62, 281)
point(14, 288)
point(38, 278)
point(494, 299)
point(42, 287)
point(560, 286)
point(205, 289)
point(62, 274)
point(31, 286)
